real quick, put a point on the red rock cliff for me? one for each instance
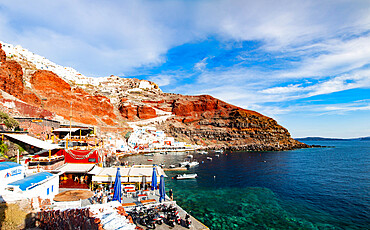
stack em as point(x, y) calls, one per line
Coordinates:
point(206, 120)
point(65, 101)
point(198, 119)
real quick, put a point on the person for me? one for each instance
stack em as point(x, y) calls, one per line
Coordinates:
point(170, 193)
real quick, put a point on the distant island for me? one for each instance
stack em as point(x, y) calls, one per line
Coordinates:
point(332, 139)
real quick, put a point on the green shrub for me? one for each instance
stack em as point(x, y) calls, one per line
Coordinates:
point(9, 122)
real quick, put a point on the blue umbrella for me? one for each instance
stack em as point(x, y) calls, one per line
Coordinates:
point(162, 192)
point(117, 187)
point(154, 180)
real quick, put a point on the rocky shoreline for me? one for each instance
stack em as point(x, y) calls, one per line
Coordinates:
point(260, 147)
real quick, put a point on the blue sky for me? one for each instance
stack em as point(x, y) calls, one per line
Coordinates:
point(304, 63)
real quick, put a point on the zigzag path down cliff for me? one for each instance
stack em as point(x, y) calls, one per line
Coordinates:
point(114, 101)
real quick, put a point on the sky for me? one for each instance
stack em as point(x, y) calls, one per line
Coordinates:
point(304, 63)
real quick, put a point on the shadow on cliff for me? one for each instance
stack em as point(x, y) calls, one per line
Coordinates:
point(30, 221)
point(3, 208)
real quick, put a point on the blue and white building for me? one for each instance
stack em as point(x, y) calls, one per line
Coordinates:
point(10, 172)
point(44, 185)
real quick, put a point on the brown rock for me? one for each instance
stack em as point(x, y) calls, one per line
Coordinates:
point(146, 112)
point(50, 83)
point(129, 112)
point(11, 78)
point(60, 98)
point(2, 54)
point(31, 98)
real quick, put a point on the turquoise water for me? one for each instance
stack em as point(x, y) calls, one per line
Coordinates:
point(319, 188)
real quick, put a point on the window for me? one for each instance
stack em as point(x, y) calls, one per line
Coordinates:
point(52, 188)
point(47, 191)
point(92, 160)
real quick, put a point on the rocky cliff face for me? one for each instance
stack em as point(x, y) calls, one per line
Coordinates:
point(211, 122)
point(111, 102)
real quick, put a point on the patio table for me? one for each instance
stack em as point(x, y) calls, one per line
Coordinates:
point(142, 197)
point(130, 193)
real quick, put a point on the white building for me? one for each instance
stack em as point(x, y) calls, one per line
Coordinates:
point(10, 172)
point(150, 139)
point(115, 144)
point(44, 185)
point(130, 174)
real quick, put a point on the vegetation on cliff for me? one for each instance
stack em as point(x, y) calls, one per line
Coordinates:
point(8, 121)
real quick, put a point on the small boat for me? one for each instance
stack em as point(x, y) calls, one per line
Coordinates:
point(188, 163)
point(184, 164)
point(149, 154)
point(172, 166)
point(150, 159)
point(193, 164)
point(186, 176)
point(203, 152)
point(209, 158)
point(219, 151)
point(217, 155)
point(190, 156)
point(162, 165)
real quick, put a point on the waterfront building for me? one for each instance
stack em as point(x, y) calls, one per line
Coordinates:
point(129, 175)
point(44, 185)
point(149, 139)
point(75, 175)
point(10, 172)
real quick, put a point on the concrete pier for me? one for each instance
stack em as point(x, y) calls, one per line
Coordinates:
point(153, 200)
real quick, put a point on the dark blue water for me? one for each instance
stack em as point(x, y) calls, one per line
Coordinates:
point(318, 188)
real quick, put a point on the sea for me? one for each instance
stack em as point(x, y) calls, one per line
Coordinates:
point(315, 188)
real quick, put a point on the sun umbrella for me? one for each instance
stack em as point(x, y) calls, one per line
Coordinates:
point(162, 192)
point(154, 180)
point(117, 187)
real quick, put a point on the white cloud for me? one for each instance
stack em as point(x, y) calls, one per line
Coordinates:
point(284, 90)
point(337, 57)
point(201, 65)
point(331, 109)
point(162, 80)
point(105, 37)
point(355, 79)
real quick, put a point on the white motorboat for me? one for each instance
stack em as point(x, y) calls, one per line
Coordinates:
point(219, 151)
point(188, 163)
point(149, 154)
point(186, 176)
point(184, 164)
point(193, 164)
point(209, 158)
point(203, 152)
point(172, 166)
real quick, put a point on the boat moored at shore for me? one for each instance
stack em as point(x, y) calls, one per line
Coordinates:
point(186, 176)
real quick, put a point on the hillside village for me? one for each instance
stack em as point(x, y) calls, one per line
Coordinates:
point(69, 132)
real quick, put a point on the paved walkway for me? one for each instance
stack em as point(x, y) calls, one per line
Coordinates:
point(133, 201)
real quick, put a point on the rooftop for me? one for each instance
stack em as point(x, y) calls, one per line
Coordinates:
point(7, 165)
point(32, 141)
point(31, 181)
